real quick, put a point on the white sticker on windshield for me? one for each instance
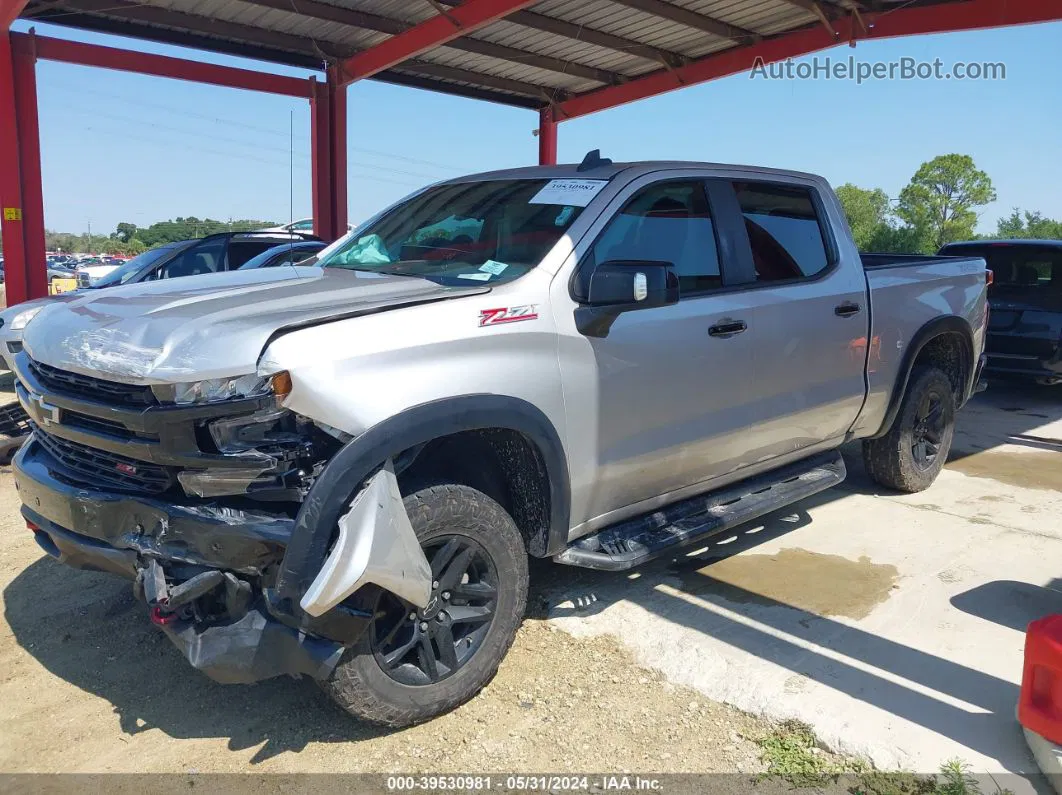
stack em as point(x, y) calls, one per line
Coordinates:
point(479, 277)
point(574, 192)
point(493, 268)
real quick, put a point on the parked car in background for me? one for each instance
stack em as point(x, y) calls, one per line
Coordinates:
point(1025, 325)
point(284, 254)
point(340, 471)
point(212, 254)
point(302, 226)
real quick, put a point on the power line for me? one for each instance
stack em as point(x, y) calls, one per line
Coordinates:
point(256, 128)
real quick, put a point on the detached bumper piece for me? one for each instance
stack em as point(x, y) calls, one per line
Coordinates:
point(636, 541)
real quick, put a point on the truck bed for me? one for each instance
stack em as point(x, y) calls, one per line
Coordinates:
point(907, 292)
point(872, 261)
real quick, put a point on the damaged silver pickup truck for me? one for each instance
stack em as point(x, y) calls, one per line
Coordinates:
point(339, 471)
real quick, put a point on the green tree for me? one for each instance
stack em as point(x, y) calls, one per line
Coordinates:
point(1028, 225)
point(868, 214)
point(125, 232)
point(941, 201)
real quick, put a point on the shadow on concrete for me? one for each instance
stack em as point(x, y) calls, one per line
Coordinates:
point(1005, 414)
point(88, 629)
point(1010, 603)
point(805, 643)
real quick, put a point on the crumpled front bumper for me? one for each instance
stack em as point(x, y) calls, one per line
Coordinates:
point(98, 531)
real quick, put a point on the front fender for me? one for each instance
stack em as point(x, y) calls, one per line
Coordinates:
point(317, 520)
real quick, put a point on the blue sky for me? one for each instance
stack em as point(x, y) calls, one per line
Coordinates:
point(123, 147)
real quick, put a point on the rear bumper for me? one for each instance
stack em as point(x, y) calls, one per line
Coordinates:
point(1024, 355)
point(246, 639)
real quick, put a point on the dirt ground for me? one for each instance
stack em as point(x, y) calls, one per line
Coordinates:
point(87, 684)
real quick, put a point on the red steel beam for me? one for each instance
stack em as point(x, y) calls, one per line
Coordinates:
point(165, 66)
point(29, 146)
point(547, 138)
point(450, 24)
point(940, 18)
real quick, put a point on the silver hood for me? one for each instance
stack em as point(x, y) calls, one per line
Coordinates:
point(210, 326)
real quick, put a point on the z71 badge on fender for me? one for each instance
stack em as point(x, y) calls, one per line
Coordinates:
point(509, 314)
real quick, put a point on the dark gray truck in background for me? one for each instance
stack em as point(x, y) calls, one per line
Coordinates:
point(339, 471)
point(1025, 298)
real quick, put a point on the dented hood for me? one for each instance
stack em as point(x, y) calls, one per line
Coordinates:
point(210, 326)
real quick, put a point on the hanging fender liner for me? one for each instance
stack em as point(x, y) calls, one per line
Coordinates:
point(330, 495)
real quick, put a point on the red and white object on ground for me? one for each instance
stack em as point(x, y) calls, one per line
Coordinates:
point(1040, 702)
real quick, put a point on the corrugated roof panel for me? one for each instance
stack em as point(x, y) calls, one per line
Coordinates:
point(544, 43)
point(411, 69)
point(282, 29)
point(628, 23)
point(412, 12)
point(508, 69)
point(759, 16)
point(348, 38)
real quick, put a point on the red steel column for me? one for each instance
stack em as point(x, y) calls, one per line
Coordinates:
point(338, 94)
point(25, 71)
point(321, 160)
point(328, 134)
point(547, 138)
point(10, 184)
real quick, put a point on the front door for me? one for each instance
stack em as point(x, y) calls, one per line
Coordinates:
point(672, 382)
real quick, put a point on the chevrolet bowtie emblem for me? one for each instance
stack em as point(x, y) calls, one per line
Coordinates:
point(51, 414)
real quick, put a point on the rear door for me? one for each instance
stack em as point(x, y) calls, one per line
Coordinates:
point(811, 318)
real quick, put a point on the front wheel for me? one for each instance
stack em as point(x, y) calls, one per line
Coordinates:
point(413, 664)
point(910, 456)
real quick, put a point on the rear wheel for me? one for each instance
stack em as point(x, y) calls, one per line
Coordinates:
point(910, 456)
point(413, 664)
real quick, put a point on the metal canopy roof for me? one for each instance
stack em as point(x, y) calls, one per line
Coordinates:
point(542, 54)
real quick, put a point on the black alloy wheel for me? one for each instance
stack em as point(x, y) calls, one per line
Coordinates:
point(425, 646)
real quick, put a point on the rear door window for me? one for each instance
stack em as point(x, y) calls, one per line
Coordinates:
point(784, 229)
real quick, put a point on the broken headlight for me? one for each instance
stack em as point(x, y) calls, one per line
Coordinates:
point(213, 390)
point(250, 431)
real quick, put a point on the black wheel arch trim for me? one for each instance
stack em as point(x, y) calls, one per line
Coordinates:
point(355, 461)
point(947, 324)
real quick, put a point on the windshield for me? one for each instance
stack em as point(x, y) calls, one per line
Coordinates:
point(459, 234)
point(126, 272)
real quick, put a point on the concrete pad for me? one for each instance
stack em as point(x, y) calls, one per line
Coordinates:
point(893, 624)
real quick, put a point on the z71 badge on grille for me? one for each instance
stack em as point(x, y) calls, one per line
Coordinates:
point(508, 314)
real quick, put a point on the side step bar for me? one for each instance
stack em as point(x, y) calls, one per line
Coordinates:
point(637, 540)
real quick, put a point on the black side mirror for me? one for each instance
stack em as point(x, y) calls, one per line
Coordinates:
point(633, 284)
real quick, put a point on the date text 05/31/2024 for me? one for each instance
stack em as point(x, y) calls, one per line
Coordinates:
point(515, 783)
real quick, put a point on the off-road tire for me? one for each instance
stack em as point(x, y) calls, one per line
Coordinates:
point(361, 687)
point(890, 460)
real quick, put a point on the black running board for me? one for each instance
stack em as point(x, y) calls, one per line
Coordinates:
point(635, 541)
